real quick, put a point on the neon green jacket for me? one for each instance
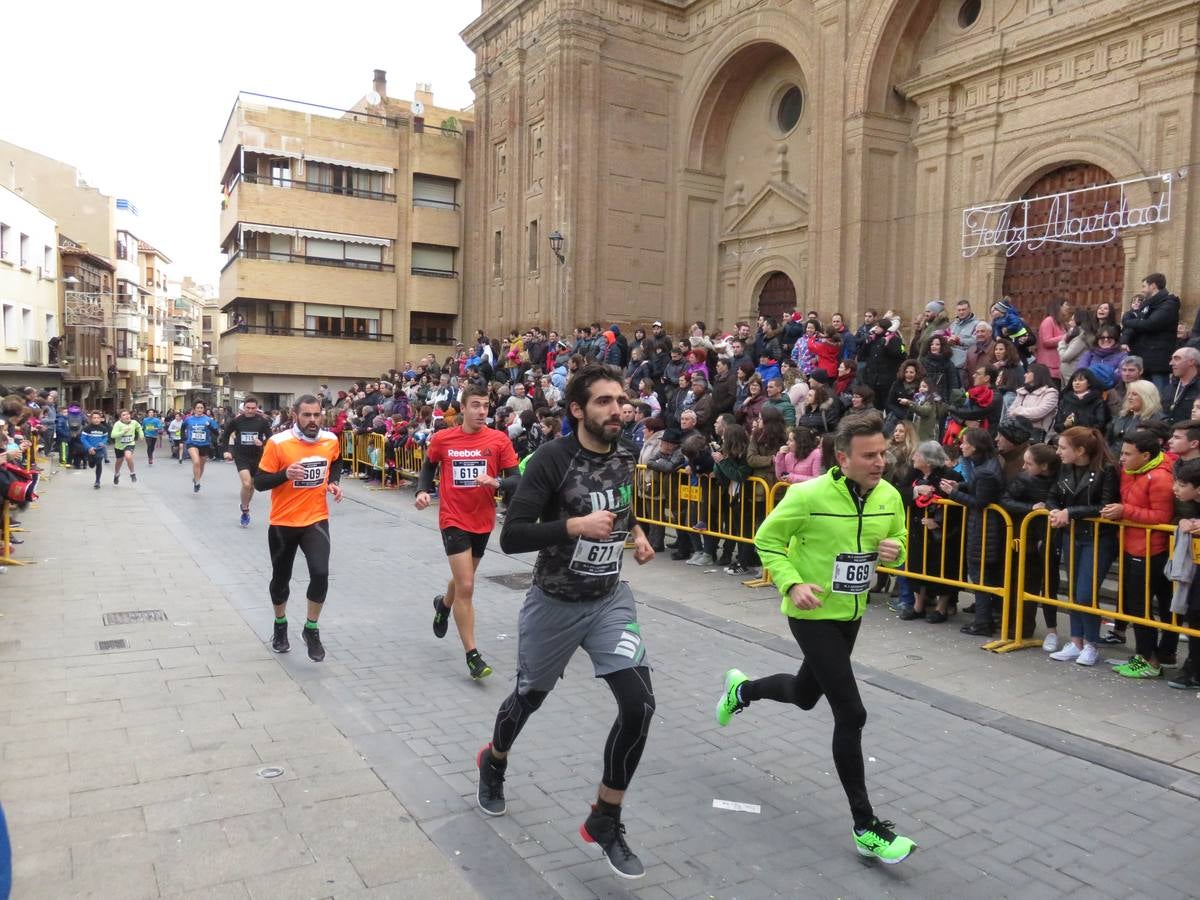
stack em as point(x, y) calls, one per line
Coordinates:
point(818, 520)
point(125, 436)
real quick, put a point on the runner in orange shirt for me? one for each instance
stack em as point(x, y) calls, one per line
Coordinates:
point(473, 458)
point(299, 467)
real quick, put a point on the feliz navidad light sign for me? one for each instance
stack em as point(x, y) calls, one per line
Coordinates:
point(1070, 217)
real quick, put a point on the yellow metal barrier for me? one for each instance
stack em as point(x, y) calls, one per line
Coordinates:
point(1117, 612)
point(6, 531)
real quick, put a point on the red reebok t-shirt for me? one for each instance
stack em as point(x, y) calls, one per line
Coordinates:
point(464, 457)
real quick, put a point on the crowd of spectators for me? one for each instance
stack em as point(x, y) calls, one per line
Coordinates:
point(981, 410)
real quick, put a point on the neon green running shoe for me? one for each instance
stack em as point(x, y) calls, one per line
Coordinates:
point(878, 840)
point(729, 704)
point(1138, 667)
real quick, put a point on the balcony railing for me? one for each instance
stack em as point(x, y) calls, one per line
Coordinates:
point(249, 253)
point(285, 331)
point(316, 187)
point(427, 203)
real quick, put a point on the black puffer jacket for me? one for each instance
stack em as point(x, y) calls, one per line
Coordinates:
point(1149, 332)
point(1090, 410)
point(878, 359)
point(985, 487)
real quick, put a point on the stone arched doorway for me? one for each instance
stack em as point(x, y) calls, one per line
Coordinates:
point(1085, 275)
point(777, 297)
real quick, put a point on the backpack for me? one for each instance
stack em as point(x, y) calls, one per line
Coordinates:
point(75, 424)
point(1105, 377)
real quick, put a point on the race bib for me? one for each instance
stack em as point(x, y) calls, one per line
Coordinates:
point(852, 572)
point(599, 557)
point(247, 438)
point(463, 472)
point(126, 440)
point(315, 469)
point(197, 433)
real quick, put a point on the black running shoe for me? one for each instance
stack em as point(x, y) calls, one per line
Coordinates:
point(116, 479)
point(312, 637)
point(490, 792)
point(195, 487)
point(609, 833)
point(477, 667)
point(441, 616)
point(280, 643)
point(133, 477)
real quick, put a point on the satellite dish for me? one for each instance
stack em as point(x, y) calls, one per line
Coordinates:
point(373, 98)
point(418, 108)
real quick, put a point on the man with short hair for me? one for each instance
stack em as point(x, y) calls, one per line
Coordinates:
point(299, 467)
point(1148, 329)
point(860, 336)
point(1185, 441)
point(243, 438)
point(473, 459)
point(849, 341)
point(962, 333)
point(700, 401)
point(1130, 371)
point(574, 506)
point(821, 543)
point(777, 399)
point(738, 355)
point(1183, 388)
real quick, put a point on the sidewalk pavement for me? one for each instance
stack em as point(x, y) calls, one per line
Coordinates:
point(136, 772)
point(1001, 805)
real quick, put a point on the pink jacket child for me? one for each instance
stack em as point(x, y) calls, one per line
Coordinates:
point(788, 468)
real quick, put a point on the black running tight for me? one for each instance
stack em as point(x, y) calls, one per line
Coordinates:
point(283, 542)
point(826, 671)
point(626, 739)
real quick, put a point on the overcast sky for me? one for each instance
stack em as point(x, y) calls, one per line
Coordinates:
point(135, 94)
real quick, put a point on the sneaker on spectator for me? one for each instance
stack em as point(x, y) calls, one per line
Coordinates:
point(1088, 656)
point(1113, 637)
point(1138, 667)
point(700, 559)
point(736, 569)
point(1050, 642)
point(1069, 653)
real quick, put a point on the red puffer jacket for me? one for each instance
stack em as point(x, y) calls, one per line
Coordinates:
point(1149, 499)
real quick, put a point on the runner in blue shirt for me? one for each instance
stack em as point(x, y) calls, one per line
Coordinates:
point(152, 428)
point(198, 434)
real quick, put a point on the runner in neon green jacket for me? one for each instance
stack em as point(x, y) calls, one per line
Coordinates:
point(126, 432)
point(821, 545)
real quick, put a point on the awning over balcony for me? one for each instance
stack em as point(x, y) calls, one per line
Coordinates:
point(329, 161)
point(243, 227)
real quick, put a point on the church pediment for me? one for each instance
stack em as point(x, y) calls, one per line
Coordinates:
point(777, 207)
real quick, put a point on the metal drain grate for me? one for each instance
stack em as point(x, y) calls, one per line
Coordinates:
point(133, 616)
point(118, 644)
point(514, 581)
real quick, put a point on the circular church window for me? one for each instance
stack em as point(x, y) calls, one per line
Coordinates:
point(968, 13)
point(788, 109)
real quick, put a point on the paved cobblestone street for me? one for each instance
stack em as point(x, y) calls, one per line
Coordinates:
point(133, 772)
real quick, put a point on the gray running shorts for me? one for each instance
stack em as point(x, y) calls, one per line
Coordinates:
point(550, 631)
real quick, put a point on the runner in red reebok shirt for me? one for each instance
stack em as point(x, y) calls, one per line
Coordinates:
point(473, 458)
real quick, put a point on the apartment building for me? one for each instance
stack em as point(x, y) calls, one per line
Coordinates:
point(29, 301)
point(343, 236)
point(87, 302)
point(213, 323)
point(187, 356)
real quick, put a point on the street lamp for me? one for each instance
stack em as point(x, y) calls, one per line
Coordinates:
point(556, 244)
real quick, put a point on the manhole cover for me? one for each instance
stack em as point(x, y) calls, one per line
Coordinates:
point(133, 616)
point(118, 644)
point(514, 581)
point(9, 646)
point(270, 772)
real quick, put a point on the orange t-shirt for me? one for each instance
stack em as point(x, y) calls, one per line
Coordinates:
point(302, 502)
